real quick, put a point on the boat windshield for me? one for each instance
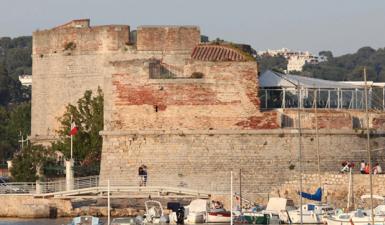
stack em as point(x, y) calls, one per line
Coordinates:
point(344, 216)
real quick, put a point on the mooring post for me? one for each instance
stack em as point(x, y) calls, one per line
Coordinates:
point(69, 175)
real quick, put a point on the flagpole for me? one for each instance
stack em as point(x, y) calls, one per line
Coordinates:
point(71, 140)
point(71, 147)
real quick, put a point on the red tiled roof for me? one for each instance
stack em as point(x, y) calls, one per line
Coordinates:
point(216, 53)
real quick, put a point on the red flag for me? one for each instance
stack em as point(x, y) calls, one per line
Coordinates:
point(74, 129)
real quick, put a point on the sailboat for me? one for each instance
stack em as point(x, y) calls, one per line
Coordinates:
point(312, 212)
point(361, 216)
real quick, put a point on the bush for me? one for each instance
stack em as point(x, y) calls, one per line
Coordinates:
point(197, 75)
point(70, 46)
point(26, 162)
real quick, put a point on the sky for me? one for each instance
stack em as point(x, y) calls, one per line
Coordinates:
point(342, 26)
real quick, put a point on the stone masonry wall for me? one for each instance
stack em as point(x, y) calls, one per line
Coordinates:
point(73, 58)
point(203, 159)
point(167, 38)
point(335, 187)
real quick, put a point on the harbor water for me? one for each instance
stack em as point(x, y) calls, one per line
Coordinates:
point(16, 221)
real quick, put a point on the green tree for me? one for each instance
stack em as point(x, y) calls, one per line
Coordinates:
point(5, 145)
point(14, 121)
point(87, 143)
point(276, 63)
point(327, 54)
point(26, 162)
point(11, 90)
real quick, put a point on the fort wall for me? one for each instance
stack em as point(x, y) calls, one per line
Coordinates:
point(190, 120)
point(75, 57)
point(224, 98)
point(167, 38)
point(203, 159)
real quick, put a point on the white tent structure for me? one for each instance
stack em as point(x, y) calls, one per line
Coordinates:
point(279, 90)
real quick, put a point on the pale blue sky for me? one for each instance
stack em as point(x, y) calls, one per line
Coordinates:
point(341, 26)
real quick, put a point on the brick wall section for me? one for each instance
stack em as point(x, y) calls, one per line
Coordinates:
point(225, 98)
point(327, 119)
point(167, 38)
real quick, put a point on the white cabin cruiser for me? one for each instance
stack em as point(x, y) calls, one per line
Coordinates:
point(358, 217)
point(154, 213)
point(311, 213)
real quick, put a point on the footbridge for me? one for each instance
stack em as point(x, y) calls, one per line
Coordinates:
point(89, 188)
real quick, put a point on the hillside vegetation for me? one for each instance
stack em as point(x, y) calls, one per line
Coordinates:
point(349, 67)
point(15, 107)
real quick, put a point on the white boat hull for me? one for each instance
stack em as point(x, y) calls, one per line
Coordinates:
point(218, 218)
point(307, 217)
point(355, 221)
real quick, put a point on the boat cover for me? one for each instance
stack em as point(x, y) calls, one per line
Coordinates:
point(198, 205)
point(317, 196)
point(276, 204)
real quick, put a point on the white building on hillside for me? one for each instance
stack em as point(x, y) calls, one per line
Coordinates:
point(296, 63)
point(296, 59)
point(25, 80)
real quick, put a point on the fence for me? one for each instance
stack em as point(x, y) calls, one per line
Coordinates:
point(47, 187)
point(18, 188)
point(322, 98)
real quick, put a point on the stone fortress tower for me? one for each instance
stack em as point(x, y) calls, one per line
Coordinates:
point(188, 111)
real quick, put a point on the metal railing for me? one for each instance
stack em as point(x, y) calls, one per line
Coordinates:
point(47, 187)
point(60, 185)
point(18, 188)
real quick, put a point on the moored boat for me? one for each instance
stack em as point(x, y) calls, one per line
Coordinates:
point(358, 217)
point(218, 217)
point(86, 220)
point(311, 213)
point(154, 213)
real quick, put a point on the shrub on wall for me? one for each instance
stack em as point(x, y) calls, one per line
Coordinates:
point(197, 75)
point(69, 46)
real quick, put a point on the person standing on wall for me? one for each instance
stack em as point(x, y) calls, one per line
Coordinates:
point(141, 175)
point(367, 169)
point(144, 175)
point(377, 169)
point(362, 167)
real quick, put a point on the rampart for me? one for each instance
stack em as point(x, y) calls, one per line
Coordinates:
point(189, 112)
point(74, 57)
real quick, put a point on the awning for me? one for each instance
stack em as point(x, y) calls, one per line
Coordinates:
point(274, 79)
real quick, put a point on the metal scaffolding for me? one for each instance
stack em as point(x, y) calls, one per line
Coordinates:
point(280, 91)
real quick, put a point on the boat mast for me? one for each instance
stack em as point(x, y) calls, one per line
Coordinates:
point(240, 189)
point(300, 146)
point(109, 204)
point(231, 197)
point(317, 137)
point(368, 146)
